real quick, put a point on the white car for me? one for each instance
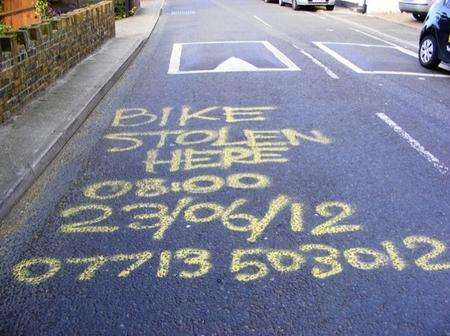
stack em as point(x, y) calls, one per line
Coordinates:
point(418, 8)
point(296, 4)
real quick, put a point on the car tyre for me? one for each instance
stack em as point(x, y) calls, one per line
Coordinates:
point(419, 16)
point(295, 6)
point(428, 52)
point(281, 2)
point(330, 7)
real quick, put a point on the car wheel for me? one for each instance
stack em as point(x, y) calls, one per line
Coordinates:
point(419, 16)
point(294, 5)
point(281, 2)
point(330, 7)
point(428, 52)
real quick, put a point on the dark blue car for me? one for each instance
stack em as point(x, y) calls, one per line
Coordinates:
point(435, 36)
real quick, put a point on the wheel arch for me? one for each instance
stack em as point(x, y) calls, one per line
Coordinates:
point(432, 30)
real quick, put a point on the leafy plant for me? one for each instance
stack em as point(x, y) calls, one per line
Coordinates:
point(4, 28)
point(120, 10)
point(42, 9)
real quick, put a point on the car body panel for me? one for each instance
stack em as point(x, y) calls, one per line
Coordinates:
point(313, 3)
point(415, 6)
point(437, 24)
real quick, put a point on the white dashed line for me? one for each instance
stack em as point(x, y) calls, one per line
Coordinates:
point(414, 144)
point(320, 64)
point(262, 21)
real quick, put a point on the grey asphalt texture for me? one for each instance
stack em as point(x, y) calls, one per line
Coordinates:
point(396, 192)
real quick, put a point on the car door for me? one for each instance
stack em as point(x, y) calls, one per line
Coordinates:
point(444, 31)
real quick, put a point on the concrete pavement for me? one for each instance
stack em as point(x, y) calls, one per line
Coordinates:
point(256, 171)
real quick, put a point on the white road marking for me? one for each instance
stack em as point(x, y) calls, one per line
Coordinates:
point(278, 54)
point(320, 64)
point(220, 71)
point(230, 65)
point(310, 13)
point(357, 69)
point(361, 44)
point(315, 15)
point(262, 21)
point(234, 64)
point(175, 59)
point(182, 12)
point(219, 42)
point(339, 58)
point(404, 50)
point(414, 144)
point(414, 45)
point(403, 73)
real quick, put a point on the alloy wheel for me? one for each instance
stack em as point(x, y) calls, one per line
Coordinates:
point(426, 51)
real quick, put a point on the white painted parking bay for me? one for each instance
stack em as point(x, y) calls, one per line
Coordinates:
point(374, 59)
point(377, 56)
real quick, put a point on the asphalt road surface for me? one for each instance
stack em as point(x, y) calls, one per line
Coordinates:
point(257, 171)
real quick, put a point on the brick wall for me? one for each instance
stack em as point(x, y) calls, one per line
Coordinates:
point(32, 58)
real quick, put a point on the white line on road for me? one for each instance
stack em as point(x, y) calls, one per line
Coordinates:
point(404, 50)
point(182, 12)
point(361, 45)
point(339, 58)
point(357, 69)
point(320, 64)
point(414, 45)
point(262, 21)
point(315, 15)
point(414, 144)
point(175, 58)
point(402, 73)
point(278, 54)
